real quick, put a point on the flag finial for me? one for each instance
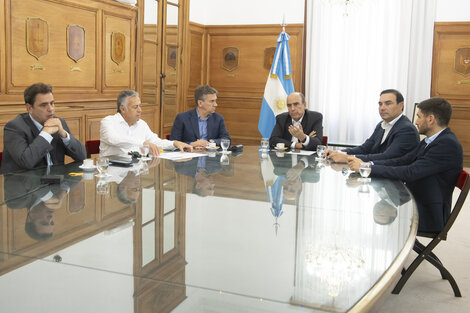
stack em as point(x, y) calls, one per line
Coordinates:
point(283, 23)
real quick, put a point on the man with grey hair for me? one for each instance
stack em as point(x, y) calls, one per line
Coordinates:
point(125, 131)
point(299, 128)
point(201, 125)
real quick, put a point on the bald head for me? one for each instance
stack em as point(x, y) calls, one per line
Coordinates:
point(296, 105)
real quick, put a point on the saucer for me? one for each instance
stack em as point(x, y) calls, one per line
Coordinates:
point(87, 168)
point(211, 149)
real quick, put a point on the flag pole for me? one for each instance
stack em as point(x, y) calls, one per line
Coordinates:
point(283, 23)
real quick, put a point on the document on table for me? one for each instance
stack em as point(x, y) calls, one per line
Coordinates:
point(301, 152)
point(180, 155)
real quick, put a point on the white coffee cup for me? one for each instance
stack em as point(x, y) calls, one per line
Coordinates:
point(88, 175)
point(88, 163)
point(211, 145)
point(280, 145)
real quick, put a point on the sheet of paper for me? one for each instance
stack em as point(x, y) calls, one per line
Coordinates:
point(301, 152)
point(180, 155)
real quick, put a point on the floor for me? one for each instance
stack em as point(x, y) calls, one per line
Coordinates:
point(425, 291)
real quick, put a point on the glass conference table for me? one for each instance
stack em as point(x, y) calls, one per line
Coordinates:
point(251, 232)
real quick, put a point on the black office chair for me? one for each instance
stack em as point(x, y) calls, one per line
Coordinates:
point(425, 252)
point(92, 147)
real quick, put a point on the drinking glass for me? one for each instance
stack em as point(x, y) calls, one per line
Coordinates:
point(364, 170)
point(102, 187)
point(143, 167)
point(224, 160)
point(320, 153)
point(264, 145)
point(144, 151)
point(102, 167)
point(225, 143)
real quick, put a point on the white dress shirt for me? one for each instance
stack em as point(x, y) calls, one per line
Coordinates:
point(118, 138)
point(387, 126)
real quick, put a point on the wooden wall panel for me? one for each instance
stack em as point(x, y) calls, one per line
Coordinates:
point(118, 76)
point(451, 76)
point(151, 77)
point(196, 62)
point(2, 48)
point(241, 89)
point(150, 61)
point(85, 91)
point(55, 68)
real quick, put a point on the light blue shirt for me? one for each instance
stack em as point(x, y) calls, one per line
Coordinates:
point(431, 139)
point(202, 126)
point(48, 137)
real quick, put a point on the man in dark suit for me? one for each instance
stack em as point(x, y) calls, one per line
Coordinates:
point(200, 125)
point(392, 137)
point(298, 128)
point(432, 169)
point(38, 138)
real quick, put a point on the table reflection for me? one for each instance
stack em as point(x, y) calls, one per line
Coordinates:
point(275, 232)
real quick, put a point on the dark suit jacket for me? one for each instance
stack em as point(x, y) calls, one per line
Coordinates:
point(23, 148)
point(402, 138)
point(186, 128)
point(431, 177)
point(311, 121)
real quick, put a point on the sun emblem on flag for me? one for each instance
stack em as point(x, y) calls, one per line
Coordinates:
point(280, 104)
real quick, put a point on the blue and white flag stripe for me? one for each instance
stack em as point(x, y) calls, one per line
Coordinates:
point(278, 86)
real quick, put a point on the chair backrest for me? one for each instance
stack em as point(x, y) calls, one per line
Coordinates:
point(92, 147)
point(463, 183)
point(325, 141)
point(1, 157)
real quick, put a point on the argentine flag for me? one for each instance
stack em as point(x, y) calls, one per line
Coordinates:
point(278, 87)
point(274, 189)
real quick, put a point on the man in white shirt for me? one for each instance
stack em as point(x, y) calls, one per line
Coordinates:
point(392, 137)
point(125, 131)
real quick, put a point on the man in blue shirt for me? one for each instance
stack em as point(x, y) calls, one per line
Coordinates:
point(201, 125)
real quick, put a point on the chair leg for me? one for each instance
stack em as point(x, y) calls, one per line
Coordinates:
point(433, 258)
point(445, 275)
point(426, 253)
point(419, 248)
point(407, 274)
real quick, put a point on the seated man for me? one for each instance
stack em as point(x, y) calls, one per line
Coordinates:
point(432, 169)
point(125, 131)
point(200, 125)
point(293, 126)
point(38, 138)
point(392, 137)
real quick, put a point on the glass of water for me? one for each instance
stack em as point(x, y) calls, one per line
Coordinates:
point(225, 143)
point(102, 187)
point(365, 170)
point(102, 167)
point(144, 151)
point(264, 145)
point(321, 152)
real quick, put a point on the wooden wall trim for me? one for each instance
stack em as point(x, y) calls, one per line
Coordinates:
point(448, 83)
